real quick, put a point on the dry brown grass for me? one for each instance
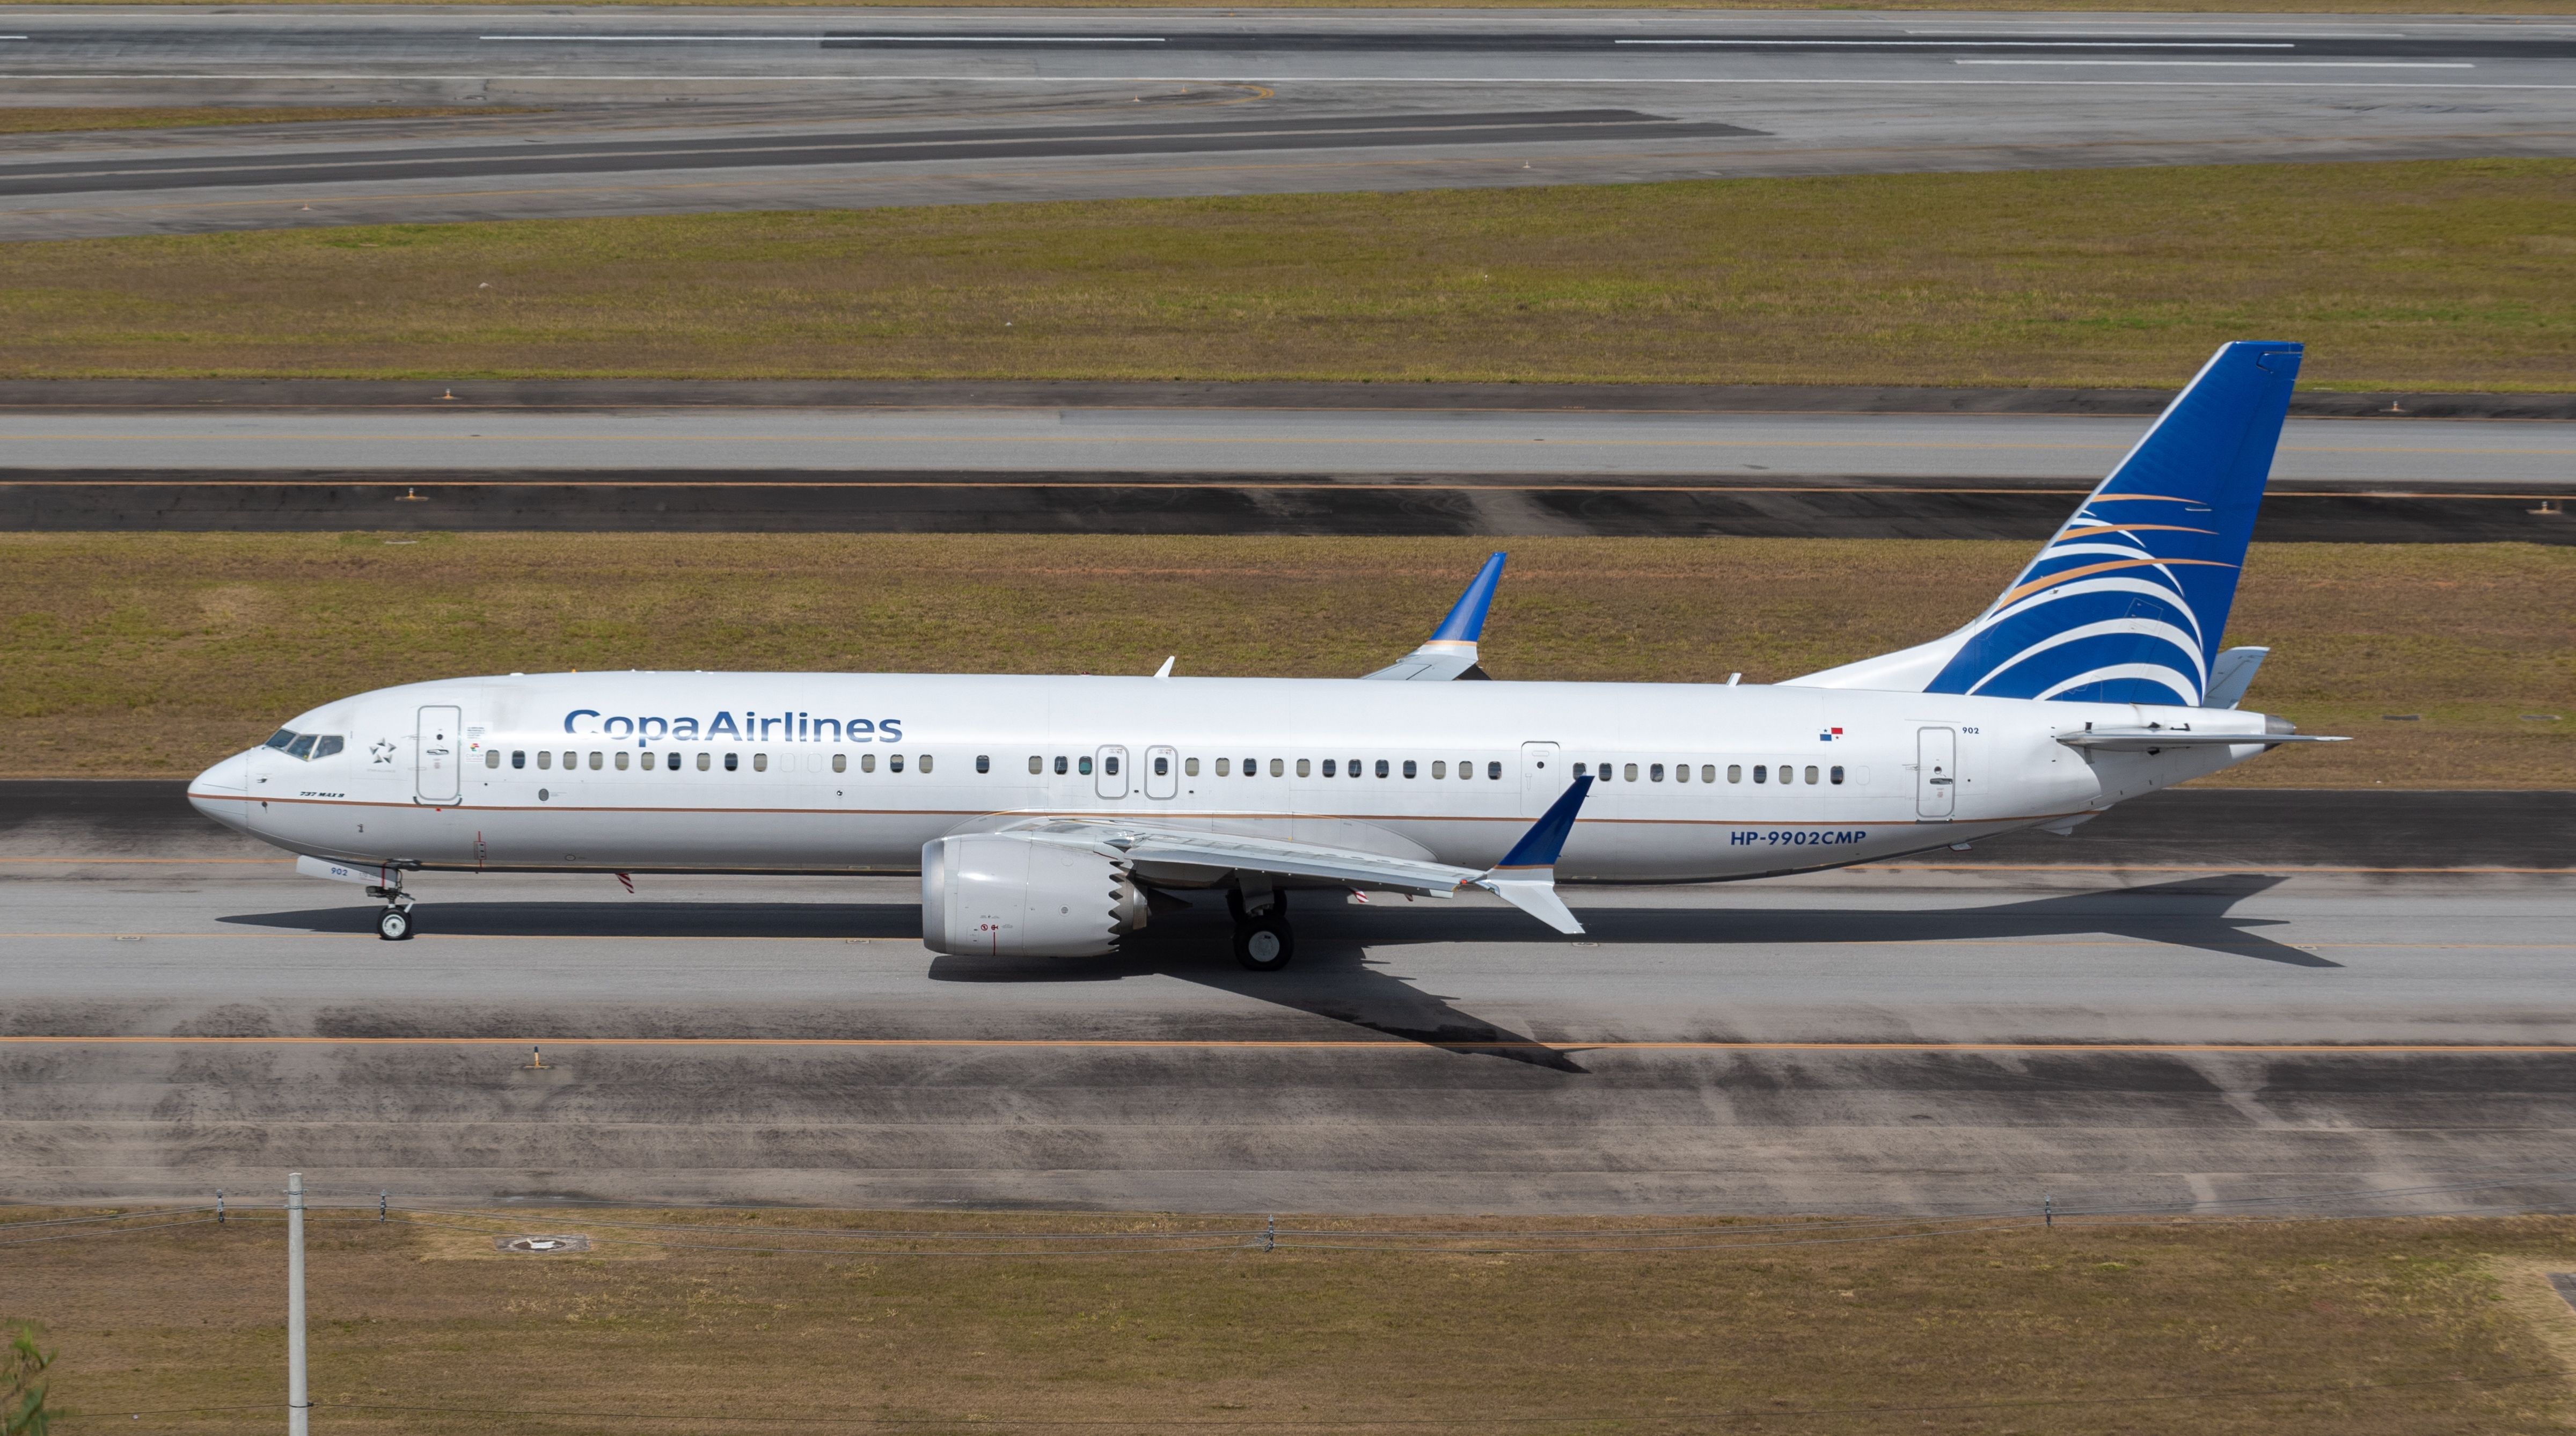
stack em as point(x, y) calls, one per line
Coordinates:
point(2438, 275)
point(153, 654)
point(2404, 1328)
point(57, 119)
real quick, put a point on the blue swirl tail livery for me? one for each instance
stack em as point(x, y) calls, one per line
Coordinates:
point(2128, 602)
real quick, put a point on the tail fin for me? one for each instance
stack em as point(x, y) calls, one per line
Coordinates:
point(2128, 602)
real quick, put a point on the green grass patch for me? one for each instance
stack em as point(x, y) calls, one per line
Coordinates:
point(57, 119)
point(154, 654)
point(2435, 275)
point(2326, 1328)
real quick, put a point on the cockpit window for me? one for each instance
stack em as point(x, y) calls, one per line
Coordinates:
point(307, 746)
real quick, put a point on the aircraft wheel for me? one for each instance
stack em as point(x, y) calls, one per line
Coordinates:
point(394, 925)
point(1264, 943)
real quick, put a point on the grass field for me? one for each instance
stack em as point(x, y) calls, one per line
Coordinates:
point(57, 119)
point(2436, 275)
point(2399, 1328)
point(153, 654)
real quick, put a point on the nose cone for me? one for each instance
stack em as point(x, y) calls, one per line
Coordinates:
point(222, 792)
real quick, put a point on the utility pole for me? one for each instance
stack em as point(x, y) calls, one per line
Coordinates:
point(299, 1408)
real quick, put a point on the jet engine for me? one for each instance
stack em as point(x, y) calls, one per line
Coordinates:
point(1004, 894)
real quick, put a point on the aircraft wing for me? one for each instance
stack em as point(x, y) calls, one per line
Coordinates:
point(1525, 878)
point(1450, 651)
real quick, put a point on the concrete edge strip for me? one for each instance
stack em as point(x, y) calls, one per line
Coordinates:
point(1386, 1044)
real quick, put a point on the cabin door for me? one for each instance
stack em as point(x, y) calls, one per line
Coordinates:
point(1543, 777)
point(434, 742)
point(1936, 771)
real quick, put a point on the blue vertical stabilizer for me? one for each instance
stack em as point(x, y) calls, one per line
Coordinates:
point(2128, 603)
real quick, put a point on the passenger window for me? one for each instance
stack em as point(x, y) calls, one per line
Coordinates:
point(1494, 771)
point(518, 759)
point(1408, 767)
point(327, 745)
point(867, 762)
point(1037, 765)
point(1225, 767)
point(1735, 772)
point(707, 760)
point(1631, 774)
point(1252, 767)
point(841, 763)
point(1836, 773)
point(925, 763)
point(1811, 772)
point(1328, 768)
point(492, 758)
point(1381, 767)
point(1353, 768)
point(732, 761)
point(759, 762)
point(544, 758)
point(1655, 774)
point(1578, 770)
point(1439, 768)
point(1681, 772)
point(1304, 768)
point(648, 762)
point(984, 763)
point(1708, 772)
point(1278, 769)
point(1162, 766)
point(1761, 773)
point(571, 761)
point(1059, 766)
point(671, 761)
point(622, 757)
point(894, 762)
point(595, 760)
point(1084, 766)
point(1190, 766)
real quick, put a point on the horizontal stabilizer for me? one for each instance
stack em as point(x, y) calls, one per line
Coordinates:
point(2150, 740)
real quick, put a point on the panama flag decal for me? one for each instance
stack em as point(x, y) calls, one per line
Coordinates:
point(1829, 735)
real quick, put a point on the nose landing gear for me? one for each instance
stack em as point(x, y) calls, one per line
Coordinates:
point(394, 924)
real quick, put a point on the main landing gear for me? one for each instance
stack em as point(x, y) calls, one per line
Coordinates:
point(394, 924)
point(1263, 941)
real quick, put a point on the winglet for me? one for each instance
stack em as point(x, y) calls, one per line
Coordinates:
point(1526, 877)
point(1450, 651)
point(1466, 620)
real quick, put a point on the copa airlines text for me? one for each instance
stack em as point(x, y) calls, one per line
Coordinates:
point(1053, 815)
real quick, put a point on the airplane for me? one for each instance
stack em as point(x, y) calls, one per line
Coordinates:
point(1051, 816)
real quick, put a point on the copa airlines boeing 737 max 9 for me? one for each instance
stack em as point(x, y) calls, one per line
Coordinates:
point(1049, 816)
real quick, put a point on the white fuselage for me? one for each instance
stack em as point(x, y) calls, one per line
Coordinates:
point(843, 773)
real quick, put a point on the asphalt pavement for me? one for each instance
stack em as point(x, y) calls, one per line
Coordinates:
point(656, 111)
point(1196, 468)
point(2215, 1000)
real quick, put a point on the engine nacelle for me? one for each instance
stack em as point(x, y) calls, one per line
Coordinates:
point(1002, 894)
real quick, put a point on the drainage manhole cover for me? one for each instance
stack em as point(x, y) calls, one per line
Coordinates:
point(541, 1245)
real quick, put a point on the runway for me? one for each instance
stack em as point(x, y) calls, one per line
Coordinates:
point(1195, 469)
point(1915, 1038)
point(661, 112)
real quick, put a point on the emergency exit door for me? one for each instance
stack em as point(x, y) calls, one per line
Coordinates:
point(1936, 771)
point(434, 757)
